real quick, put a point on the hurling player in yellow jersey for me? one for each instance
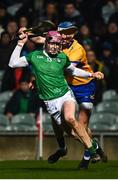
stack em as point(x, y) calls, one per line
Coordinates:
point(84, 91)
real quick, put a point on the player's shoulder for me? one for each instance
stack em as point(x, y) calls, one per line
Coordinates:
point(34, 54)
point(77, 45)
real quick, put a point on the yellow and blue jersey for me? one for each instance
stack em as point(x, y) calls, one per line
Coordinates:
point(77, 56)
point(83, 89)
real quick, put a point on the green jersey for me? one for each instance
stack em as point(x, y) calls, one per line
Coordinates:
point(49, 74)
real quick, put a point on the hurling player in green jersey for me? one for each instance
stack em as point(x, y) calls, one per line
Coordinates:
point(84, 90)
point(49, 65)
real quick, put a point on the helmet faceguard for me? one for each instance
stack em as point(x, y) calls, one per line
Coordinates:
point(53, 43)
point(67, 30)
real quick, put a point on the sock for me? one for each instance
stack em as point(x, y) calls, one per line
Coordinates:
point(87, 155)
point(92, 150)
point(95, 144)
point(98, 148)
point(61, 142)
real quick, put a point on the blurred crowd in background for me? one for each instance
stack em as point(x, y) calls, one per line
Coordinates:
point(97, 22)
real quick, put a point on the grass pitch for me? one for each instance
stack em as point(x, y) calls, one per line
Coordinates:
point(60, 170)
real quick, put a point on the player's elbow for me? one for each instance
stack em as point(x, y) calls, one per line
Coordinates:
point(11, 65)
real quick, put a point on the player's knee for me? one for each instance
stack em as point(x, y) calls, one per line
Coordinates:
point(83, 118)
point(70, 119)
point(85, 112)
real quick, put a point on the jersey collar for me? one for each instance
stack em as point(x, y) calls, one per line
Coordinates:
point(46, 54)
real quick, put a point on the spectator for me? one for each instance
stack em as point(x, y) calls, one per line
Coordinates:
point(112, 35)
point(50, 13)
point(107, 56)
point(85, 31)
point(87, 44)
point(96, 65)
point(23, 22)
point(38, 4)
point(114, 16)
point(4, 17)
point(4, 50)
point(72, 14)
point(108, 60)
point(113, 79)
point(22, 101)
point(5, 39)
point(85, 36)
point(14, 7)
point(12, 77)
point(107, 10)
point(27, 9)
point(12, 28)
point(99, 32)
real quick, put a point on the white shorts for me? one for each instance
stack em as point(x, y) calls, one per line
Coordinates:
point(54, 106)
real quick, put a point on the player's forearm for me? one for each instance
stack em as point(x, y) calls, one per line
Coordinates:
point(78, 72)
point(39, 40)
point(81, 73)
point(16, 60)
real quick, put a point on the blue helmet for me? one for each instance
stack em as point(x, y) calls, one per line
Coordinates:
point(67, 27)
